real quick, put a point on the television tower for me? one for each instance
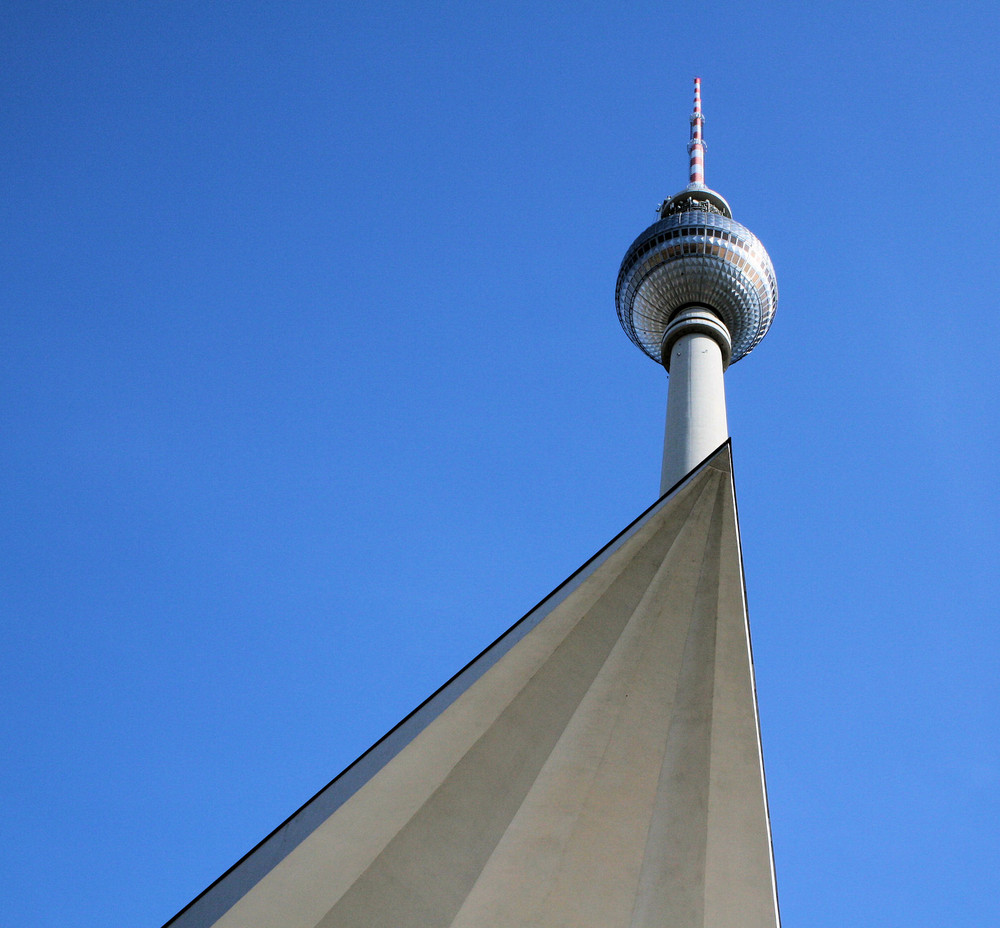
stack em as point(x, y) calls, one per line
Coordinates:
point(696, 292)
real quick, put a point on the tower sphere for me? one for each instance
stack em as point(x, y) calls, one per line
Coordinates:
point(696, 255)
point(696, 258)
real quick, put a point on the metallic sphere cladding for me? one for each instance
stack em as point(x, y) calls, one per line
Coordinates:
point(696, 257)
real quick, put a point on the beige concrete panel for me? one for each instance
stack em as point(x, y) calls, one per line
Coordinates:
point(422, 877)
point(571, 856)
point(304, 885)
point(671, 886)
point(578, 780)
point(739, 877)
point(602, 844)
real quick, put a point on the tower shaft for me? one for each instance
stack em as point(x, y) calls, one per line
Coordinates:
point(696, 352)
point(696, 406)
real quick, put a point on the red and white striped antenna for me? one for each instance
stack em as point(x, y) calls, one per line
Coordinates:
point(696, 146)
point(696, 195)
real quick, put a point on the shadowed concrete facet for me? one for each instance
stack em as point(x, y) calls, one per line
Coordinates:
point(598, 766)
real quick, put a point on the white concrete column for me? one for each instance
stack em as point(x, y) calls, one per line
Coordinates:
point(697, 349)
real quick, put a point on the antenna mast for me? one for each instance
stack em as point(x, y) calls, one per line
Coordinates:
point(696, 146)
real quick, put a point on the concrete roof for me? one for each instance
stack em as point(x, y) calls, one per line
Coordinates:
point(598, 765)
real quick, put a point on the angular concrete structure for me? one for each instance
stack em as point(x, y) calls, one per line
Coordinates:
point(598, 766)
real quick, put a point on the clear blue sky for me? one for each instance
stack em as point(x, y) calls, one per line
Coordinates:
point(312, 384)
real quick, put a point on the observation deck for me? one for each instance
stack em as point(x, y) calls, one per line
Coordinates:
point(696, 257)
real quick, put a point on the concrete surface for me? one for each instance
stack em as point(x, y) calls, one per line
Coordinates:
point(597, 767)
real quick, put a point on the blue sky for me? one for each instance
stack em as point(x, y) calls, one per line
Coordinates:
point(312, 385)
